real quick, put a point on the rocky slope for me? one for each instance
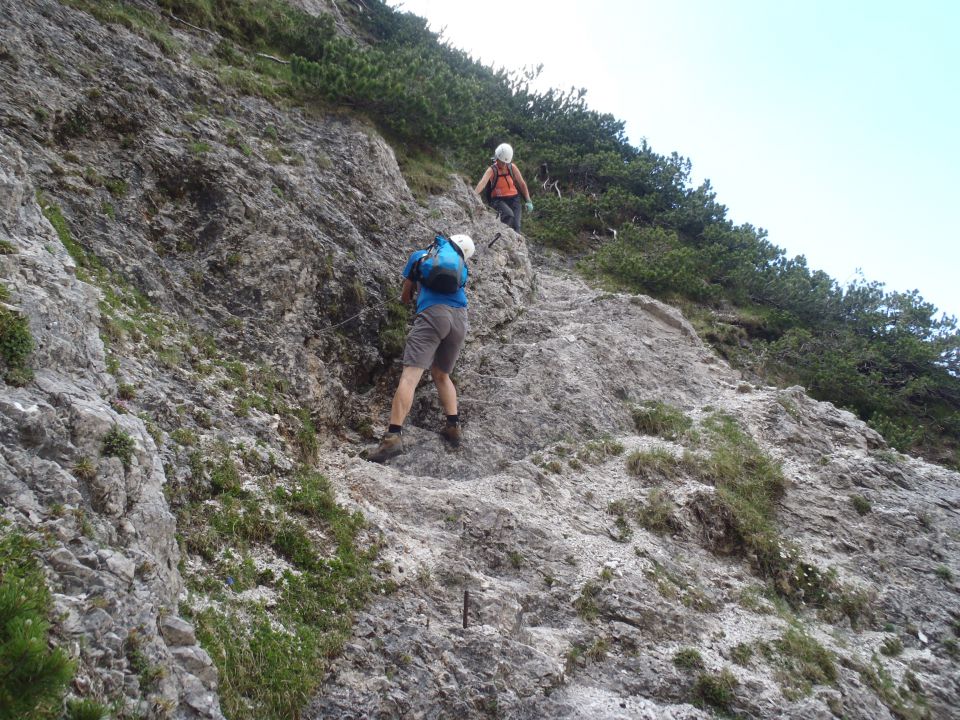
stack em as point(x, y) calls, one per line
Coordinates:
point(207, 273)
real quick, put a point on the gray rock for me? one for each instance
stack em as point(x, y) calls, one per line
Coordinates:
point(177, 631)
point(195, 660)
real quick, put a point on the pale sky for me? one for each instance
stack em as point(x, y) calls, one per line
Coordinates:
point(832, 124)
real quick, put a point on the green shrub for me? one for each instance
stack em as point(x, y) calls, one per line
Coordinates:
point(860, 504)
point(116, 186)
point(118, 443)
point(598, 650)
point(126, 391)
point(33, 677)
point(688, 659)
point(184, 436)
point(654, 260)
point(901, 433)
point(559, 222)
point(619, 509)
point(16, 344)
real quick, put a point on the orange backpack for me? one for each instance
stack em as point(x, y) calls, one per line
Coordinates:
point(488, 195)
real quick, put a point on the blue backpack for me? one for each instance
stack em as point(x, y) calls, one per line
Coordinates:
point(443, 268)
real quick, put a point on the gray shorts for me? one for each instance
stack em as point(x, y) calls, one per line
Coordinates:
point(436, 338)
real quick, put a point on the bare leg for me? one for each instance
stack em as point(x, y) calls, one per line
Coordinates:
point(403, 398)
point(446, 390)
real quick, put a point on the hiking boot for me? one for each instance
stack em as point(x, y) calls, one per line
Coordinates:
point(451, 433)
point(390, 445)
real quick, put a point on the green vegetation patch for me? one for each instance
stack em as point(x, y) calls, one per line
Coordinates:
point(118, 443)
point(749, 484)
point(86, 709)
point(906, 701)
point(304, 433)
point(52, 212)
point(688, 659)
point(804, 663)
point(860, 504)
point(425, 175)
point(141, 21)
point(672, 586)
point(619, 509)
point(599, 450)
point(657, 463)
point(715, 690)
point(125, 312)
point(393, 331)
point(271, 660)
point(16, 345)
point(657, 514)
point(742, 654)
point(587, 603)
point(661, 419)
point(33, 676)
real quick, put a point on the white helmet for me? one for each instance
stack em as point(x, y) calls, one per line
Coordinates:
point(504, 153)
point(465, 243)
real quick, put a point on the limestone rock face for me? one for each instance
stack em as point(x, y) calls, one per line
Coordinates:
point(570, 615)
point(113, 553)
point(203, 270)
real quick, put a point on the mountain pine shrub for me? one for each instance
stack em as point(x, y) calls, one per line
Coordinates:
point(16, 344)
point(33, 677)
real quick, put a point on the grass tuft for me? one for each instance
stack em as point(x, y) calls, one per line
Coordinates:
point(715, 690)
point(804, 663)
point(655, 463)
point(661, 419)
point(688, 659)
